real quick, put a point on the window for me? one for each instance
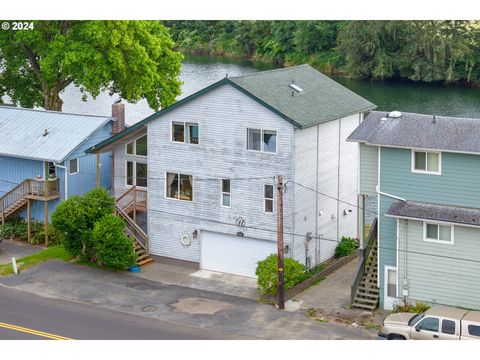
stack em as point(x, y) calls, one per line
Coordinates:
point(136, 173)
point(179, 186)
point(268, 199)
point(392, 283)
point(226, 193)
point(262, 140)
point(438, 233)
point(474, 330)
point(50, 170)
point(138, 146)
point(426, 162)
point(429, 324)
point(185, 132)
point(448, 327)
point(73, 167)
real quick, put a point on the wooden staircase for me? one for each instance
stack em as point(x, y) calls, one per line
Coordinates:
point(365, 293)
point(13, 201)
point(125, 205)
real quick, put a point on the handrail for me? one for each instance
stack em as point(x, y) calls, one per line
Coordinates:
point(365, 253)
point(11, 197)
point(125, 193)
point(133, 228)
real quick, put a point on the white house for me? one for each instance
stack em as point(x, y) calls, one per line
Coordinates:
point(208, 162)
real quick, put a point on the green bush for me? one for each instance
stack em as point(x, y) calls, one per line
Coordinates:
point(113, 248)
point(345, 247)
point(38, 235)
point(267, 272)
point(418, 308)
point(15, 228)
point(76, 217)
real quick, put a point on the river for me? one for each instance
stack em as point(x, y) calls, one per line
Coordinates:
point(201, 71)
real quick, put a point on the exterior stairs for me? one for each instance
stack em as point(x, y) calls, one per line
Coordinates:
point(365, 294)
point(12, 208)
point(125, 205)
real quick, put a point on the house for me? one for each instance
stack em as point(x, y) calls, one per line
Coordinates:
point(203, 170)
point(43, 159)
point(423, 173)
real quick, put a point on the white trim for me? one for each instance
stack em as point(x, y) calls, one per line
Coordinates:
point(261, 141)
point(438, 241)
point(134, 142)
point(377, 189)
point(432, 221)
point(398, 251)
point(184, 132)
point(175, 199)
point(379, 158)
point(417, 148)
point(426, 171)
point(273, 199)
point(134, 173)
point(70, 166)
point(224, 193)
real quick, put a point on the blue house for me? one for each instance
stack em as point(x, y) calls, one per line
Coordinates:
point(43, 159)
point(423, 174)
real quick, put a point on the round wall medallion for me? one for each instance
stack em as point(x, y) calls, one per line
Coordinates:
point(186, 240)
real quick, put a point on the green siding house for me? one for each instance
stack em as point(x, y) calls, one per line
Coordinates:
point(423, 172)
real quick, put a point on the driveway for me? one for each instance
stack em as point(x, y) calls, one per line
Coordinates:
point(176, 273)
point(178, 304)
point(17, 249)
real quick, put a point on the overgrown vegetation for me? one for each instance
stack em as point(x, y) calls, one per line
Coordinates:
point(418, 307)
point(267, 272)
point(92, 232)
point(345, 247)
point(17, 229)
point(433, 50)
point(54, 252)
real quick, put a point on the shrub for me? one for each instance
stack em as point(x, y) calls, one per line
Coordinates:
point(15, 228)
point(267, 272)
point(418, 308)
point(54, 236)
point(113, 248)
point(345, 247)
point(76, 217)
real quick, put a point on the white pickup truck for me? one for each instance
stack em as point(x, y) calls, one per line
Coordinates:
point(437, 323)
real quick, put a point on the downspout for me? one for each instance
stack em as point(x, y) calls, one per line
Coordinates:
point(66, 177)
point(377, 189)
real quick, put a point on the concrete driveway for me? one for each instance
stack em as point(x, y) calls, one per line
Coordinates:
point(178, 273)
point(17, 249)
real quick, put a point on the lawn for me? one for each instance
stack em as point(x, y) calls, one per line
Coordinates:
point(51, 253)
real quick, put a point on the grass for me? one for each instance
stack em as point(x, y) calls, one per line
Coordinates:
point(51, 253)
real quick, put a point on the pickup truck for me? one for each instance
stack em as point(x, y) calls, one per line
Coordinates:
point(437, 323)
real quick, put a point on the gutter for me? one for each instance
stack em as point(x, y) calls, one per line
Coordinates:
point(377, 189)
point(66, 177)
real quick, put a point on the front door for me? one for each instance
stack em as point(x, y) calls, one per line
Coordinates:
point(390, 287)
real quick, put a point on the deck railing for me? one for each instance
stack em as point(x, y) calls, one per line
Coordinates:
point(364, 254)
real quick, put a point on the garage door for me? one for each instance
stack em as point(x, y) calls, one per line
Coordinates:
point(233, 254)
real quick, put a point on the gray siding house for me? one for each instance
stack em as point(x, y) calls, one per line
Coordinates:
point(207, 171)
point(423, 173)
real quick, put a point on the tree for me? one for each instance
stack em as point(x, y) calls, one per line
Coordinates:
point(132, 58)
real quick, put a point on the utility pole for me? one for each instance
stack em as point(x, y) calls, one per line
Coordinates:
point(281, 284)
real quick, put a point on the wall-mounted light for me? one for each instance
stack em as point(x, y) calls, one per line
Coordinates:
point(239, 233)
point(286, 249)
point(195, 234)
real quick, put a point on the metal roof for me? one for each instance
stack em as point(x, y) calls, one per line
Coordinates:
point(435, 212)
point(412, 130)
point(44, 135)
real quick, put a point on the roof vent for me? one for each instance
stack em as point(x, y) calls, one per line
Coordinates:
point(394, 114)
point(45, 132)
point(296, 87)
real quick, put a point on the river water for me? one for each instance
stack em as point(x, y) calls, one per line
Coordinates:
point(201, 71)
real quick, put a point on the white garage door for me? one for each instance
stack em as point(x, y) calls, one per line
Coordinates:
point(233, 254)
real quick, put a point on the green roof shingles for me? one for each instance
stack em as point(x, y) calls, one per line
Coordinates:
point(323, 99)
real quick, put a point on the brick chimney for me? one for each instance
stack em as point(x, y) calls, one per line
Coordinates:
point(118, 112)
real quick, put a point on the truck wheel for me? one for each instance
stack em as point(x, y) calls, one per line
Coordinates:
point(396, 337)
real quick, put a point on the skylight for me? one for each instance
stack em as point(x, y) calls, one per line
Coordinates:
point(296, 88)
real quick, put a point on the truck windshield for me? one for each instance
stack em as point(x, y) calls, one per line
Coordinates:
point(415, 318)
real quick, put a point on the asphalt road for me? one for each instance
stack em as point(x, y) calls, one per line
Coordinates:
point(25, 316)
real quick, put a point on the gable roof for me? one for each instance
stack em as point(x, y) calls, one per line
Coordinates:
point(322, 99)
point(435, 212)
point(412, 130)
point(22, 132)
